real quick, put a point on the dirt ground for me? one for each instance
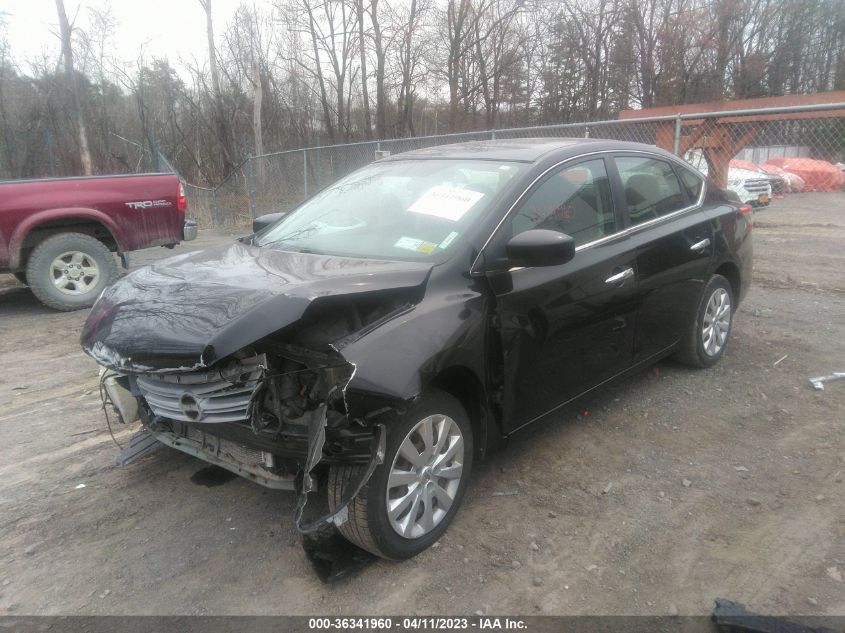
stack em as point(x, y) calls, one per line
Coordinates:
point(653, 497)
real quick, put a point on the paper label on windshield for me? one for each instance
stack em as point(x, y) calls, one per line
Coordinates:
point(408, 243)
point(418, 246)
point(449, 239)
point(446, 202)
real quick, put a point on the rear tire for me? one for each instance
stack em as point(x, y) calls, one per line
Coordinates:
point(435, 486)
point(69, 271)
point(709, 333)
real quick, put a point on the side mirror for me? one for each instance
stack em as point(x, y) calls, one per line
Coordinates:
point(540, 247)
point(263, 221)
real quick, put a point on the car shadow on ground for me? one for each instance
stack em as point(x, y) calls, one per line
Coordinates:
point(585, 409)
point(17, 300)
point(332, 558)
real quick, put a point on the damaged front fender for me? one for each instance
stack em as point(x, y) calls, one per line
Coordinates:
point(283, 365)
point(193, 310)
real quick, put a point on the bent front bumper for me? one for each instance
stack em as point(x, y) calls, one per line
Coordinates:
point(210, 415)
point(244, 461)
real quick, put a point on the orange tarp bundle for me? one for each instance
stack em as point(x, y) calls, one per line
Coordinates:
point(818, 175)
point(794, 182)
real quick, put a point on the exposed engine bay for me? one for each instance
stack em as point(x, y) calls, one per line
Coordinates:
point(274, 412)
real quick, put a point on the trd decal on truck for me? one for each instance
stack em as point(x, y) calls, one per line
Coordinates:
point(148, 204)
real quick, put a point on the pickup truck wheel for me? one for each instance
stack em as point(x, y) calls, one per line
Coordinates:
point(413, 496)
point(707, 337)
point(69, 271)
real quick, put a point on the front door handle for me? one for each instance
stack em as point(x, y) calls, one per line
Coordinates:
point(700, 246)
point(620, 278)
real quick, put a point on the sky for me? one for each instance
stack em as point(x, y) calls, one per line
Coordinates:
point(164, 28)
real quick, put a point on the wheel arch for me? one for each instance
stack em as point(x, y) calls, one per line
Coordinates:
point(730, 271)
point(44, 224)
point(464, 385)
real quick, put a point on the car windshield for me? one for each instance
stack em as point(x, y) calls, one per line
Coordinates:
point(394, 210)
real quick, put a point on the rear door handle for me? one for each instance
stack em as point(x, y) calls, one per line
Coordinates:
point(620, 278)
point(700, 246)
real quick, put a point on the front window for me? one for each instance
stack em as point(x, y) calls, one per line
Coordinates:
point(394, 210)
point(575, 200)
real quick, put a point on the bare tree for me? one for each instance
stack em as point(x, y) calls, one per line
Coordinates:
point(380, 52)
point(328, 27)
point(248, 43)
point(407, 25)
point(362, 49)
point(496, 52)
point(313, 72)
point(66, 35)
point(220, 120)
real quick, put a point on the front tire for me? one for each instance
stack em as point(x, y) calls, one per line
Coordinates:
point(707, 337)
point(413, 496)
point(69, 271)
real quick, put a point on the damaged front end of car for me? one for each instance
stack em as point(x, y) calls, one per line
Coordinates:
point(275, 410)
point(278, 418)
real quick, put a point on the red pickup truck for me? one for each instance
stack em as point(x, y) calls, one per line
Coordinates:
point(59, 235)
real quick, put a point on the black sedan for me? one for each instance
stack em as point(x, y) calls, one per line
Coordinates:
point(367, 347)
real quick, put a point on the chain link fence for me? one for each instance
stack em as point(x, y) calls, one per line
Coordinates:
point(778, 138)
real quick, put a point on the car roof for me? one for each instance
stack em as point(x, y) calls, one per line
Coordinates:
point(528, 150)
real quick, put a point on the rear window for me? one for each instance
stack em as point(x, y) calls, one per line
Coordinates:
point(692, 183)
point(651, 188)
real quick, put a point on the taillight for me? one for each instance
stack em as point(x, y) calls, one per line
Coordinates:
point(748, 212)
point(181, 201)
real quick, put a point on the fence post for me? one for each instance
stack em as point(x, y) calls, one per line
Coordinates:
point(305, 173)
point(250, 185)
point(677, 146)
point(215, 208)
point(586, 130)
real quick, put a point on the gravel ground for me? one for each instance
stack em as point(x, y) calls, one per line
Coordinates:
point(657, 495)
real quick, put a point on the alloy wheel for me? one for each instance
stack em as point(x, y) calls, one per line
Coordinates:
point(717, 322)
point(425, 476)
point(74, 272)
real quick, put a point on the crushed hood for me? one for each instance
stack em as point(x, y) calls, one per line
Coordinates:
point(191, 310)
